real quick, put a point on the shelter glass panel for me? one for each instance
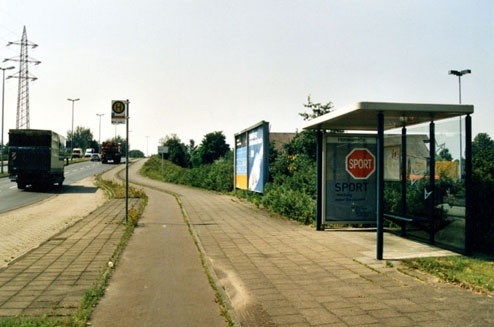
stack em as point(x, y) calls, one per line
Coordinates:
point(428, 210)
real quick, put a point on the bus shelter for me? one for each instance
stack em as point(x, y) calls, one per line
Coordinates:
point(344, 150)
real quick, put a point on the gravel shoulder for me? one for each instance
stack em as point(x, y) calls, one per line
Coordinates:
point(26, 228)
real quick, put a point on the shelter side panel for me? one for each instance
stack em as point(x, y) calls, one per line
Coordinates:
point(351, 182)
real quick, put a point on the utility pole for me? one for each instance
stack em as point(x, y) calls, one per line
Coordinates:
point(3, 105)
point(23, 75)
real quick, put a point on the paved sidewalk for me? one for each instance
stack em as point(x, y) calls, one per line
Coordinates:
point(159, 280)
point(273, 272)
point(51, 279)
point(279, 273)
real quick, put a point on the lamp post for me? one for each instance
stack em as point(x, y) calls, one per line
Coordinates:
point(460, 73)
point(99, 133)
point(147, 146)
point(3, 102)
point(72, 136)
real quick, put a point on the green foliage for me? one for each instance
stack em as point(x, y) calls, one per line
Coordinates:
point(177, 151)
point(213, 147)
point(317, 109)
point(81, 138)
point(471, 273)
point(483, 185)
point(136, 154)
point(216, 177)
point(289, 202)
point(291, 191)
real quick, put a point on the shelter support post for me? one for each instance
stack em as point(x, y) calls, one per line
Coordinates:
point(403, 170)
point(380, 187)
point(469, 224)
point(319, 186)
point(403, 177)
point(429, 195)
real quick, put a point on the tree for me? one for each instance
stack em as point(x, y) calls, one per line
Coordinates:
point(483, 156)
point(305, 141)
point(136, 154)
point(177, 151)
point(483, 186)
point(212, 147)
point(317, 109)
point(444, 155)
point(82, 138)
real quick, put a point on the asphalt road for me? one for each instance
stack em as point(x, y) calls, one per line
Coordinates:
point(11, 198)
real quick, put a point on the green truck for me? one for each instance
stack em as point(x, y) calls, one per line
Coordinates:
point(36, 157)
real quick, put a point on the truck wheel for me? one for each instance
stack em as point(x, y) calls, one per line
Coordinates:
point(21, 185)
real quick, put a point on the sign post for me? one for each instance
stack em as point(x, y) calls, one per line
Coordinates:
point(162, 150)
point(120, 115)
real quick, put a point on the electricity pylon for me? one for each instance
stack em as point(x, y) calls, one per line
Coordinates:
point(22, 119)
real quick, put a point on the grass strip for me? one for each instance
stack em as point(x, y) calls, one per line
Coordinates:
point(472, 273)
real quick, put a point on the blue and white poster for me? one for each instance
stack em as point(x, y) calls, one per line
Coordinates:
point(252, 158)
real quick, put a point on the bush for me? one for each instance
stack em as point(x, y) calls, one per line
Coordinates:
point(289, 202)
point(215, 177)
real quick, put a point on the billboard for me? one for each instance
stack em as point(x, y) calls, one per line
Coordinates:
point(350, 179)
point(252, 158)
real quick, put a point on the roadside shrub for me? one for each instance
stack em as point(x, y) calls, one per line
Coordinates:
point(289, 202)
point(215, 177)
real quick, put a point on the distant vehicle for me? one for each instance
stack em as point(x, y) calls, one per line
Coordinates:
point(95, 157)
point(36, 157)
point(88, 153)
point(76, 153)
point(110, 151)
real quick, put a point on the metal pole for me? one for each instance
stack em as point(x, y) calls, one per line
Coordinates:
point(469, 226)
point(72, 136)
point(3, 105)
point(127, 167)
point(460, 74)
point(461, 139)
point(430, 194)
point(3, 101)
point(380, 187)
point(99, 134)
point(319, 204)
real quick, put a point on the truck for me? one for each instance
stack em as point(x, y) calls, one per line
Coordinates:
point(36, 157)
point(76, 153)
point(110, 151)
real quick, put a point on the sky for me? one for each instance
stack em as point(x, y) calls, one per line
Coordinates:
point(192, 67)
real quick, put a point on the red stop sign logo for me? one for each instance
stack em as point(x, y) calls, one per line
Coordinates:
point(360, 163)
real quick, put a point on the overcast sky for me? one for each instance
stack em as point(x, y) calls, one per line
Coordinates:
point(191, 67)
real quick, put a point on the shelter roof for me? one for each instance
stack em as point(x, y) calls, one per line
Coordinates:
point(363, 115)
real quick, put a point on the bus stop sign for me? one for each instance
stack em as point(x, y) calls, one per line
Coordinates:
point(360, 163)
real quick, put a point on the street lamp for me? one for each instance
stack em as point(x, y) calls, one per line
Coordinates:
point(460, 73)
point(3, 101)
point(72, 136)
point(99, 135)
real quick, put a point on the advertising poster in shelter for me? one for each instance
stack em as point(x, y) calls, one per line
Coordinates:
point(350, 174)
